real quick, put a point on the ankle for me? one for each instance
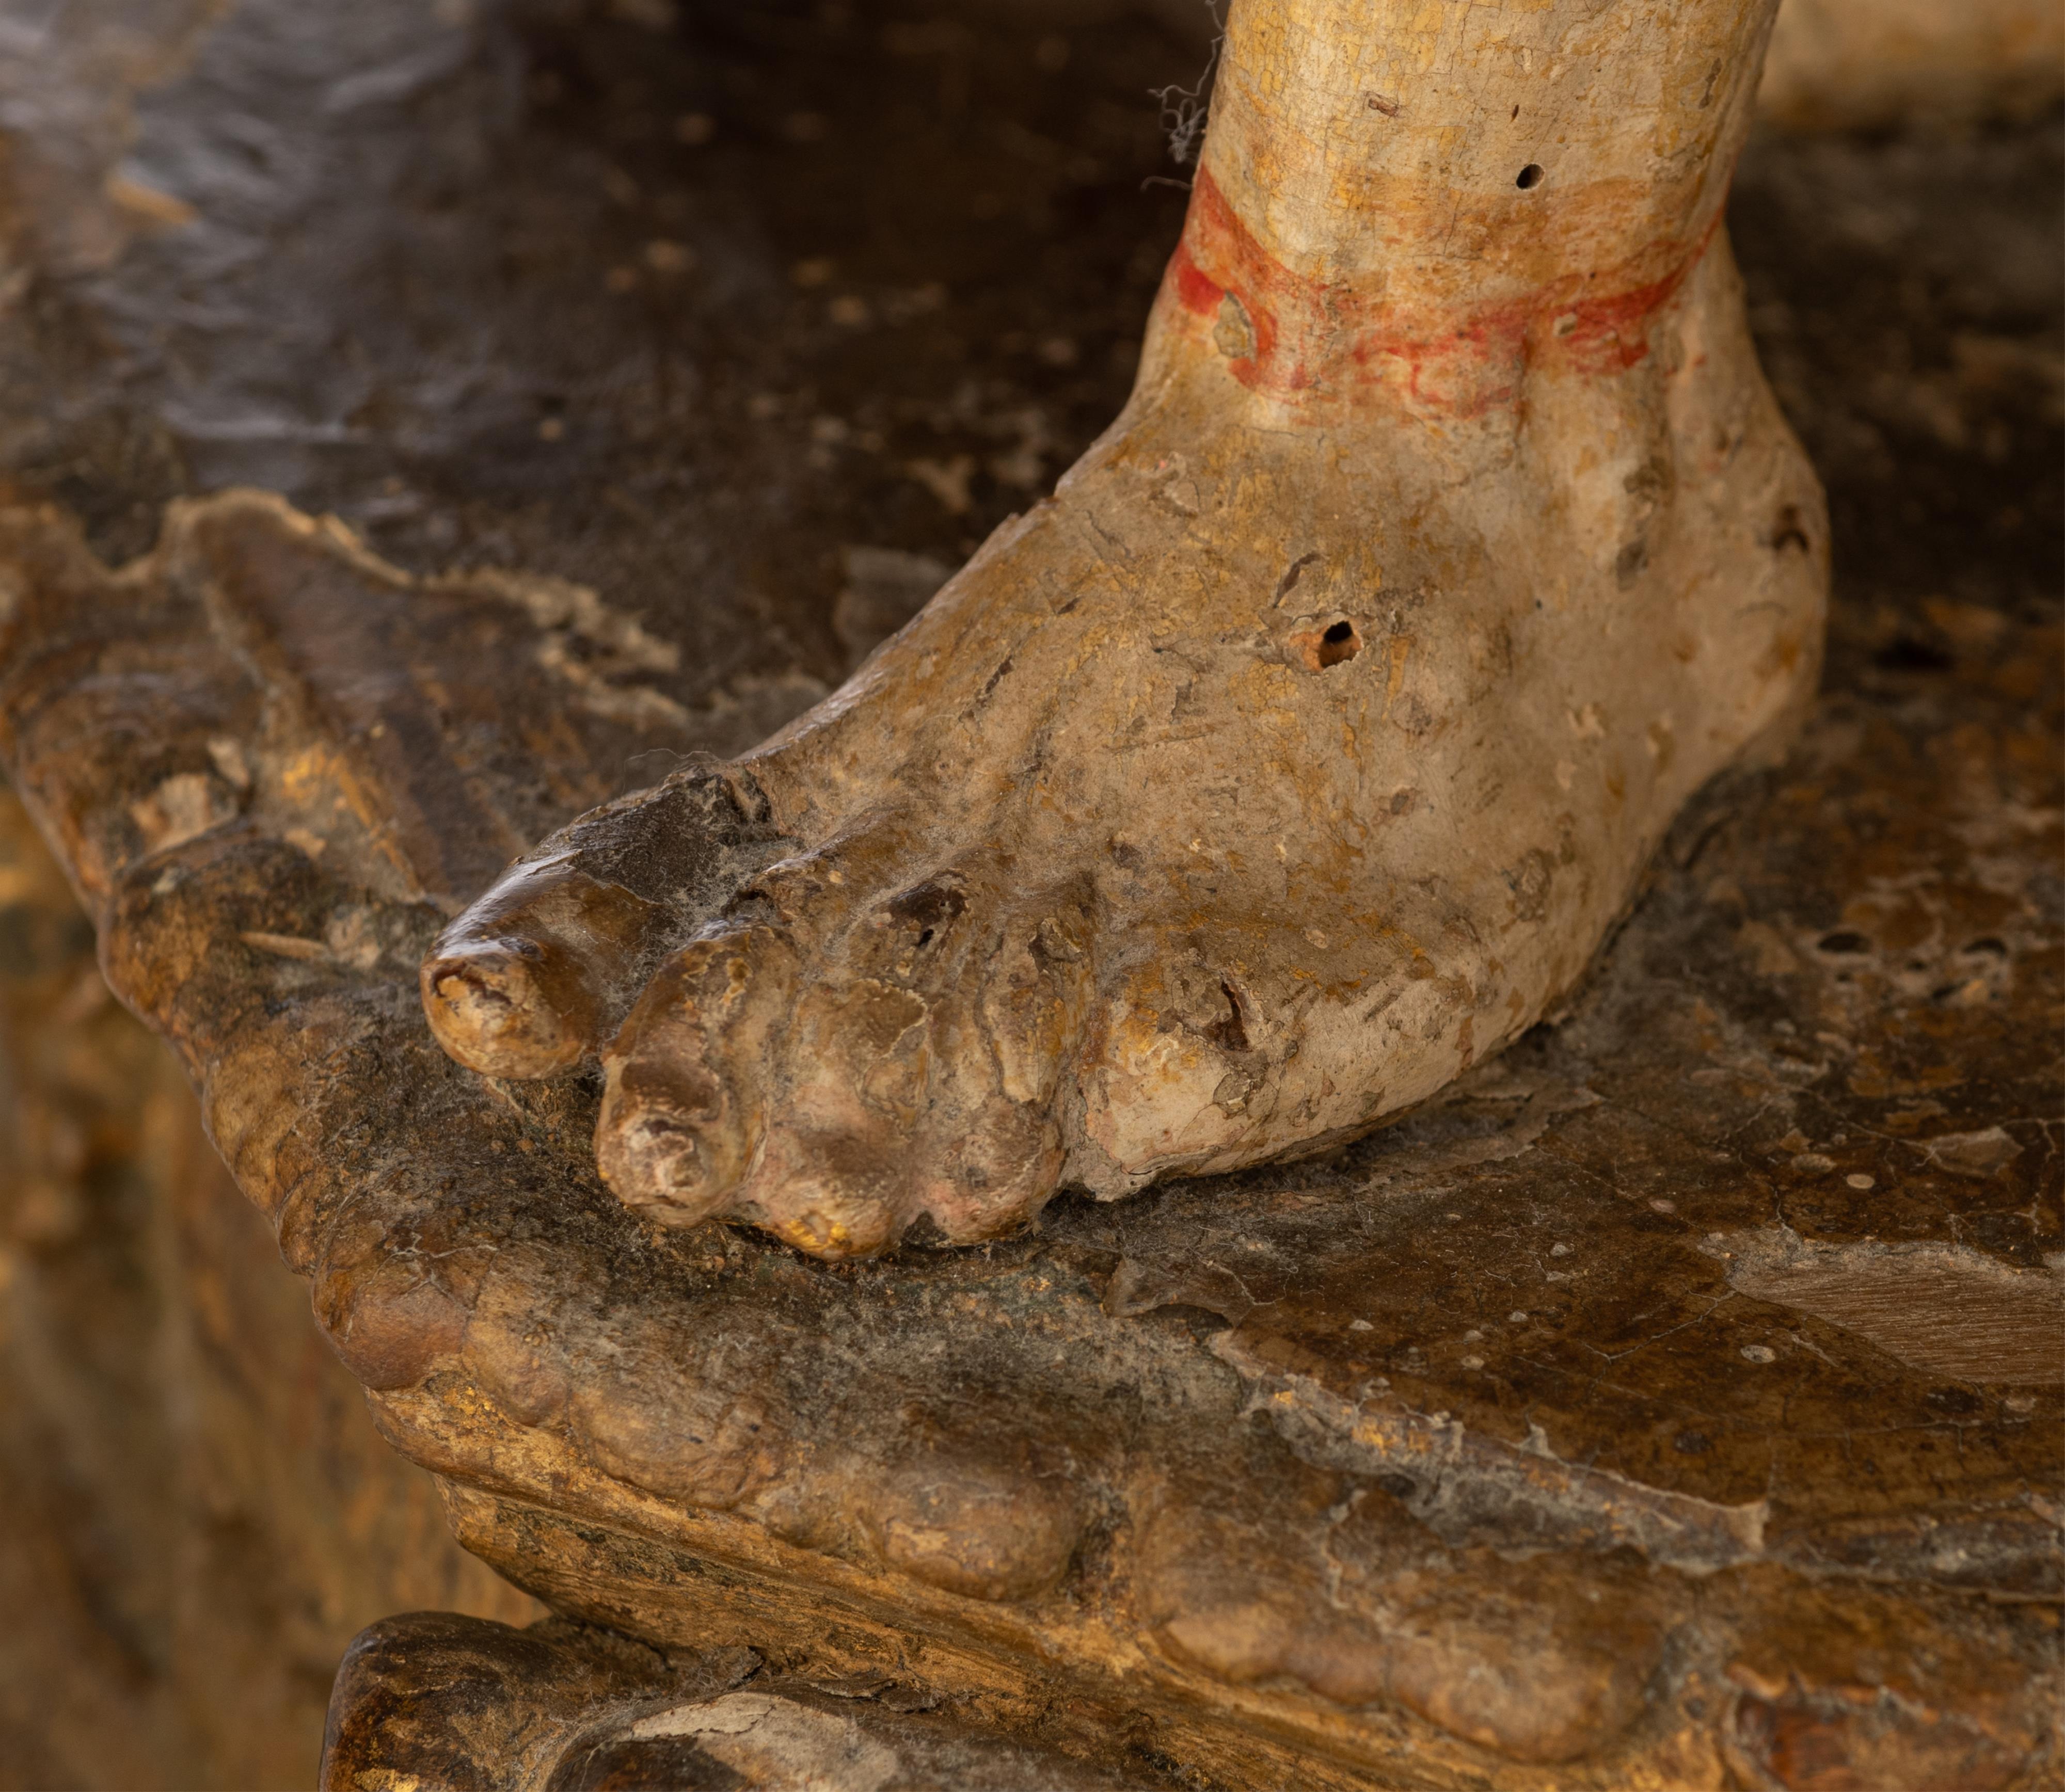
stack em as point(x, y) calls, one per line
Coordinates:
point(1431, 218)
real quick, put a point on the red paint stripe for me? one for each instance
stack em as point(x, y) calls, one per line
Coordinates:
point(1312, 335)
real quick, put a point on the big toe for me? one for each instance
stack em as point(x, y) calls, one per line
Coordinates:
point(535, 975)
point(521, 984)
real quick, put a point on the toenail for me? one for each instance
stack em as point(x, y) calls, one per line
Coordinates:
point(1234, 1089)
point(1051, 941)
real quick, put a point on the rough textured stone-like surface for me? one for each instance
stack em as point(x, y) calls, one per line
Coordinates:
point(195, 1514)
point(1223, 1471)
point(469, 1706)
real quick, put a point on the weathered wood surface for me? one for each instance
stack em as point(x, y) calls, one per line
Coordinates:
point(1678, 1400)
point(196, 1514)
point(1668, 1297)
point(468, 1706)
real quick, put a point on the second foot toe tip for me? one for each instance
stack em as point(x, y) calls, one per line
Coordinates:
point(685, 1079)
point(674, 1140)
point(660, 1163)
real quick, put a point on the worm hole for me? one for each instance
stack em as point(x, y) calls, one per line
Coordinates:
point(1530, 176)
point(1339, 643)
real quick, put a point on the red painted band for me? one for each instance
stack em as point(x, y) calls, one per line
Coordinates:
point(1310, 336)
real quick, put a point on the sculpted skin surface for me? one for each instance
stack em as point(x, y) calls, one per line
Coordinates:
point(1302, 749)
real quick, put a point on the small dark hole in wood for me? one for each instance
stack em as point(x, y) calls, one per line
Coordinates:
point(1992, 948)
point(1530, 176)
point(925, 938)
point(1339, 643)
point(1843, 942)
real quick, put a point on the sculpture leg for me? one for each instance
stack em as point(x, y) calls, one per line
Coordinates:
point(1302, 748)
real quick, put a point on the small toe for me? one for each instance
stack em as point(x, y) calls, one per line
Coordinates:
point(684, 1107)
point(920, 1071)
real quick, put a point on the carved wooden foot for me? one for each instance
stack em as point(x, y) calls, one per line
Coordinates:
point(1299, 752)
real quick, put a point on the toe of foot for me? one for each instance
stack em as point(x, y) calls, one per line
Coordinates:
point(500, 1010)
